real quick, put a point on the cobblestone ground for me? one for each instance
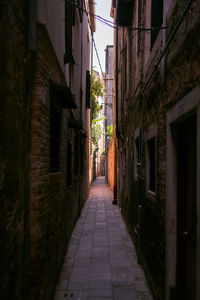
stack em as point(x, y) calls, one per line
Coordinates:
point(101, 262)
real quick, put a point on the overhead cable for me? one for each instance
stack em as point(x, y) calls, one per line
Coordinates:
point(97, 55)
point(113, 24)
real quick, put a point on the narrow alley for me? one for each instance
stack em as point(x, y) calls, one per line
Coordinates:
point(100, 150)
point(101, 261)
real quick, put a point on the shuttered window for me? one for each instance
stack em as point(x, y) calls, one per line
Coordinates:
point(69, 22)
point(139, 26)
point(55, 127)
point(69, 164)
point(88, 89)
point(152, 164)
point(156, 18)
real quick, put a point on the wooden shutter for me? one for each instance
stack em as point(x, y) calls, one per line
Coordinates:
point(88, 89)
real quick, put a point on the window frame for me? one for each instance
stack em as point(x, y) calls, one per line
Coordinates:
point(151, 134)
point(137, 153)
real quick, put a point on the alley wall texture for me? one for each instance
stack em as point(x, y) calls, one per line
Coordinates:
point(16, 84)
point(44, 142)
point(158, 74)
point(49, 209)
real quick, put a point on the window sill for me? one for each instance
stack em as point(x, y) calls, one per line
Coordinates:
point(151, 193)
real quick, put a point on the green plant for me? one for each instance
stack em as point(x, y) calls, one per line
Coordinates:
point(96, 134)
point(97, 91)
point(109, 131)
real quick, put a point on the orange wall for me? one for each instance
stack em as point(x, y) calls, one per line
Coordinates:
point(111, 158)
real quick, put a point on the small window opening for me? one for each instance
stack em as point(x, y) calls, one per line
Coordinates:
point(156, 19)
point(55, 125)
point(152, 161)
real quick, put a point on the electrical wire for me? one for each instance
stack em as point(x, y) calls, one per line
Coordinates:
point(97, 55)
point(113, 24)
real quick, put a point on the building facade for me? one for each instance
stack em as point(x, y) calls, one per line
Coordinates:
point(157, 137)
point(45, 153)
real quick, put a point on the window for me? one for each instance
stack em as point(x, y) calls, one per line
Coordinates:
point(124, 74)
point(69, 22)
point(69, 164)
point(55, 126)
point(82, 157)
point(88, 82)
point(123, 79)
point(139, 26)
point(156, 18)
point(80, 4)
point(76, 154)
point(151, 164)
point(137, 154)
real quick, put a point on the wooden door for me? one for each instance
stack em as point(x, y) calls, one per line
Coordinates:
point(186, 209)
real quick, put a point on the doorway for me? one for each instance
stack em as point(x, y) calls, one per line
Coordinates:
point(186, 208)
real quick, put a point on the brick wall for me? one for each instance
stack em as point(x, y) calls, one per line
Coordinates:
point(177, 74)
point(54, 206)
point(17, 70)
point(38, 210)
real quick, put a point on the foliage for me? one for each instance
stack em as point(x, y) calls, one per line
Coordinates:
point(97, 91)
point(98, 120)
point(109, 131)
point(103, 151)
point(97, 85)
point(96, 133)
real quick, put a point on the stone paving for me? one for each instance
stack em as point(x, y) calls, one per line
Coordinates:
point(101, 262)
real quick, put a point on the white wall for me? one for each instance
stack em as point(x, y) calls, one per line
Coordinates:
point(52, 14)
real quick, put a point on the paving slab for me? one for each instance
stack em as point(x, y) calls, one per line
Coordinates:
point(101, 261)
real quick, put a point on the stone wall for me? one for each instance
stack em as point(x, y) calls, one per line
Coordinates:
point(176, 75)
